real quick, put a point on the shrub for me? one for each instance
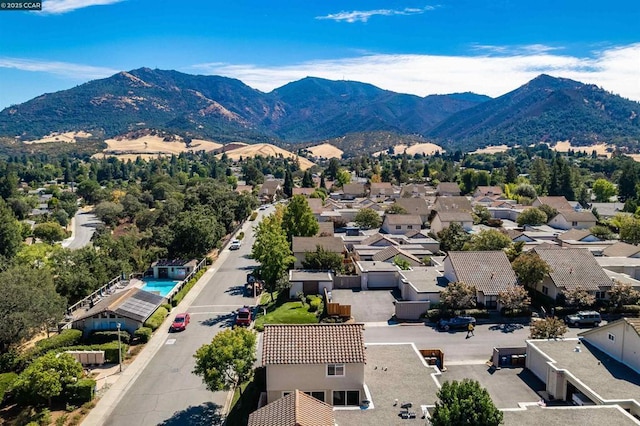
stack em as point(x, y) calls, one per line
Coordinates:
point(65, 338)
point(81, 391)
point(143, 334)
point(477, 313)
point(100, 337)
point(43, 418)
point(8, 361)
point(156, 319)
point(6, 380)
point(435, 315)
point(629, 309)
point(177, 298)
point(167, 306)
point(315, 303)
point(62, 420)
point(240, 235)
point(253, 216)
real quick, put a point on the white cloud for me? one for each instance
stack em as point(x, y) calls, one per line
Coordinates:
point(364, 15)
point(65, 69)
point(615, 69)
point(64, 6)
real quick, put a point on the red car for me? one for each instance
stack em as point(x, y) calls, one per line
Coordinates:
point(243, 317)
point(180, 322)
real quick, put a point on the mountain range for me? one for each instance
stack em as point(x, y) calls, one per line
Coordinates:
point(313, 109)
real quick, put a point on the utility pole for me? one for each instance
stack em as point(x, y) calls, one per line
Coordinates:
point(119, 349)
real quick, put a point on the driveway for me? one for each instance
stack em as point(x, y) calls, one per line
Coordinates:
point(507, 386)
point(367, 305)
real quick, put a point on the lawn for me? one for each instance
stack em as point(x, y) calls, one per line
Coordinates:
point(285, 312)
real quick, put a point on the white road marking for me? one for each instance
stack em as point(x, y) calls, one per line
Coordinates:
point(170, 341)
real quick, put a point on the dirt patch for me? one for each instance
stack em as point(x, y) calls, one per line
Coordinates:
point(325, 150)
point(67, 137)
point(266, 150)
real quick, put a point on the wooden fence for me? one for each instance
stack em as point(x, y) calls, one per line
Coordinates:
point(333, 308)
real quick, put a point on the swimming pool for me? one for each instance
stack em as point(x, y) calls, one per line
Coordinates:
point(161, 287)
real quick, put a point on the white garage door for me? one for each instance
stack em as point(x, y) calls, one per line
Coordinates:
point(382, 280)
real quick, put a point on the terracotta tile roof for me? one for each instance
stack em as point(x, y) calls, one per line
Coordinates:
point(295, 409)
point(489, 271)
point(304, 244)
point(403, 219)
point(621, 249)
point(572, 268)
point(414, 205)
point(558, 203)
point(313, 344)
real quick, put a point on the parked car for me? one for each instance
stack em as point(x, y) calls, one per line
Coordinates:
point(243, 317)
point(456, 323)
point(180, 322)
point(591, 318)
point(235, 245)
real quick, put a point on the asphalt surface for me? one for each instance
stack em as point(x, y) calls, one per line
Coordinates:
point(84, 225)
point(165, 391)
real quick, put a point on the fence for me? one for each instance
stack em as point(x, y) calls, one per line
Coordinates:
point(411, 310)
point(336, 308)
point(101, 292)
point(184, 282)
point(346, 281)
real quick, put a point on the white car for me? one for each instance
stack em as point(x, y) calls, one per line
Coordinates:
point(235, 245)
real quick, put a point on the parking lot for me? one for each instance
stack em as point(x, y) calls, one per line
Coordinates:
point(507, 386)
point(367, 305)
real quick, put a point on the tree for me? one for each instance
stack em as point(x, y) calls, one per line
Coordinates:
point(368, 218)
point(307, 180)
point(28, 300)
point(287, 186)
point(343, 178)
point(532, 216)
point(108, 212)
point(90, 190)
point(49, 232)
point(458, 295)
point(514, 297)
point(465, 403)
point(322, 259)
point(578, 297)
point(623, 294)
point(481, 214)
point(47, 377)
point(514, 250)
point(602, 232)
point(487, 240)
point(547, 328)
point(195, 233)
point(603, 190)
point(630, 230)
point(453, 237)
point(401, 263)
point(525, 190)
point(396, 208)
point(10, 233)
point(271, 250)
point(298, 219)
point(627, 182)
point(530, 269)
point(550, 211)
point(228, 360)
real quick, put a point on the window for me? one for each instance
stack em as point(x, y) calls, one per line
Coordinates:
point(409, 226)
point(398, 226)
point(612, 337)
point(545, 290)
point(600, 294)
point(335, 370)
point(346, 398)
point(574, 223)
point(491, 302)
point(317, 395)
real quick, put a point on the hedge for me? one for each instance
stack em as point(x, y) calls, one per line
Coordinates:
point(81, 391)
point(65, 338)
point(143, 334)
point(6, 380)
point(253, 216)
point(100, 337)
point(167, 306)
point(177, 298)
point(156, 319)
point(110, 350)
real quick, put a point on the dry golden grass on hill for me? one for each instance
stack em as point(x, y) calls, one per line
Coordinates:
point(491, 149)
point(325, 150)
point(565, 146)
point(150, 146)
point(68, 137)
point(266, 150)
point(419, 148)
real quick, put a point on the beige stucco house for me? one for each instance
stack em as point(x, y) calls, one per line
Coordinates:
point(444, 219)
point(401, 223)
point(324, 360)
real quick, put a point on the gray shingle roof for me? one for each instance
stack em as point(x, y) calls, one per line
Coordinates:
point(489, 271)
point(452, 216)
point(295, 409)
point(574, 235)
point(391, 252)
point(304, 244)
point(559, 203)
point(403, 219)
point(448, 188)
point(573, 268)
point(313, 344)
point(414, 205)
point(574, 216)
point(621, 249)
point(373, 239)
point(456, 203)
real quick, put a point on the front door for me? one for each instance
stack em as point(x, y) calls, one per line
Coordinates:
point(310, 287)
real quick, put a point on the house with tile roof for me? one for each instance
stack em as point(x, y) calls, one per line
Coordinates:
point(325, 229)
point(352, 191)
point(489, 272)
point(302, 245)
point(381, 191)
point(303, 191)
point(390, 253)
point(129, 308)
point(270, 190)
point(570, 269)
point(420, 190)
point(571, 219)
point(453, 203)
point(559, 203)
point(601, 367)
point(444, 219)
point(415, 206)
point(296, 408)
point(326, 360)
point(401, 223)
point(579, 235)
point(622, 249)
point(448, 189)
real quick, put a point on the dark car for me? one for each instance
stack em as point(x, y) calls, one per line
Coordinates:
point(456, 323)
point(180, 322)
point(243, 317)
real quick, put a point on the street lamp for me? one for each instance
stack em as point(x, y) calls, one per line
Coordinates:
point(119, 349)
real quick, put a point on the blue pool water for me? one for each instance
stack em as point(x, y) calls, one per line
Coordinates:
point(163, 287)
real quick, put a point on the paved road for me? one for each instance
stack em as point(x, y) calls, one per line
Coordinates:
point(84, 225)
point(456, 346)
point(166, 392)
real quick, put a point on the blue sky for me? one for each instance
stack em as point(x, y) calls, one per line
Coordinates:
point(410, 46)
